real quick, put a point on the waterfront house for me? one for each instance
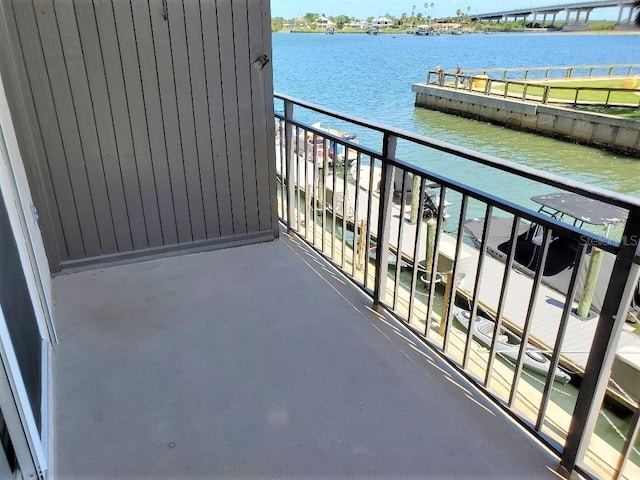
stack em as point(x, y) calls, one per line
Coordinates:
point(324, 22)
point(383, 22)
point(137, 148)
point(361, 24)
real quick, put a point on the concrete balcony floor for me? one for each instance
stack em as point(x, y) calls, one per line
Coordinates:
point(259, 362)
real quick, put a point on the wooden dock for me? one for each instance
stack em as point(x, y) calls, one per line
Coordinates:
point(549, 304)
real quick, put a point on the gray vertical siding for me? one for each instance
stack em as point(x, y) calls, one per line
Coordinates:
point(147, 127)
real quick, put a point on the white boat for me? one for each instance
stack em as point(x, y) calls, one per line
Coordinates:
point(508, 344)
point(431, 190)
point(309, 142)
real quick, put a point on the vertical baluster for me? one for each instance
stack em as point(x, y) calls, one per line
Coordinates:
point(305, 185)
point(325, 168)
point(624, 278)
point(542, 260)
point(416, 244)
point(372, 163)
point(295, 176)
point(314, 188)
point(333, 200)
point(289, 152)
point(281, 129)
point(564, 321)
point(384, 219)
point(356, 216)
point(345, 203)
point(634, 430)
point(478, 284)
point(504, 289)
point(396, 284)
point(434, 264)
point(452, 293)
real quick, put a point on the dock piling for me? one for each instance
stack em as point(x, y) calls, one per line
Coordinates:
point(584, 306)
point(415, 199)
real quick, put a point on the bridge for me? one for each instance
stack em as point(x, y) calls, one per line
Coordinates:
point(577, 14)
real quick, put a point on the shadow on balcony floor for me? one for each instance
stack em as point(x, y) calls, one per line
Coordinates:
point(259, 362)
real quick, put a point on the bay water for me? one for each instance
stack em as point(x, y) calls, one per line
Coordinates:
point(370, 77)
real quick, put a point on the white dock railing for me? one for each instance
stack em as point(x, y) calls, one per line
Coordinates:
point(381, 220)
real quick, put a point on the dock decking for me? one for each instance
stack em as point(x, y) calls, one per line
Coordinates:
point(549, 303)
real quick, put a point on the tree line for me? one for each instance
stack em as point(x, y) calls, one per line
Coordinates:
point(404, 20)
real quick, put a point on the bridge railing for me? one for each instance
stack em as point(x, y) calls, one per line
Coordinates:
point(399, 232)
point(537, 91)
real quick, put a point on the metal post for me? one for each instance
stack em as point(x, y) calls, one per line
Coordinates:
point(289, 152)
point(384, 219)
point(430, 247)
point(624, 278)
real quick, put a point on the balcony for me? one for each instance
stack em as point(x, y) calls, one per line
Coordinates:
point(553, 271)
point(337, 349)
point(261, 361)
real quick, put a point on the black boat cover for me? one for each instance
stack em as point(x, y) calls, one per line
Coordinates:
point(582, 208)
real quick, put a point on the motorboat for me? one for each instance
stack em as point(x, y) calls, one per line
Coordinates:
point(568, 207)
point(508, 344)
point(431, 196)
point(310, 142)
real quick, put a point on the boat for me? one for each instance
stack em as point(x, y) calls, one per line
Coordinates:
point(431, 190)
point(508, 344)
point(571, 207)
point(426, 30)
point(309, 142)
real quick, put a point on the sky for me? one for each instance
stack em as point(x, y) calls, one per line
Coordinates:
point(442, 8)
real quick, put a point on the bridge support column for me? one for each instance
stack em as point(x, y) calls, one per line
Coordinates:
point(533, 22)
point(568, 16)
point(553, 20)
point(586, 20)
point(620, 10)
point(630, 17)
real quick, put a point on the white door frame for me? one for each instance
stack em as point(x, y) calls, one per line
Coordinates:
point(15, 194)
point(17, 412)
point(23, 219)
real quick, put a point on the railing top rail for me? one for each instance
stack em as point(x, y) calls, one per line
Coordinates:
point(557, 181)
point(507, 206)
point(554, 67)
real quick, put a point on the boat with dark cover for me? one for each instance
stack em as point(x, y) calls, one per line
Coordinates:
point(557, 270)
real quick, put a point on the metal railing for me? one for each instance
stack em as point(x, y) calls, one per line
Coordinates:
point(380, 220)
point(621, 70)
point(531, 91)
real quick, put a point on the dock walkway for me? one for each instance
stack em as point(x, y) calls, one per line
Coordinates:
point(549, 304)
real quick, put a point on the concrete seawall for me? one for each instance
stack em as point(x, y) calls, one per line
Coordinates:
point(602, 131)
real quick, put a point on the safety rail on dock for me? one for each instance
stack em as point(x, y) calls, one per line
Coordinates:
point(558, 72)
point(535, 91)
point(357, 210)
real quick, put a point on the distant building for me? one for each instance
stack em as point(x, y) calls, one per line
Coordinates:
point(383, 22)
point(324, 22)
point(449, 27)
point(361, 24)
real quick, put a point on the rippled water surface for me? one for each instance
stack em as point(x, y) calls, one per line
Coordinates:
point(371, 77)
